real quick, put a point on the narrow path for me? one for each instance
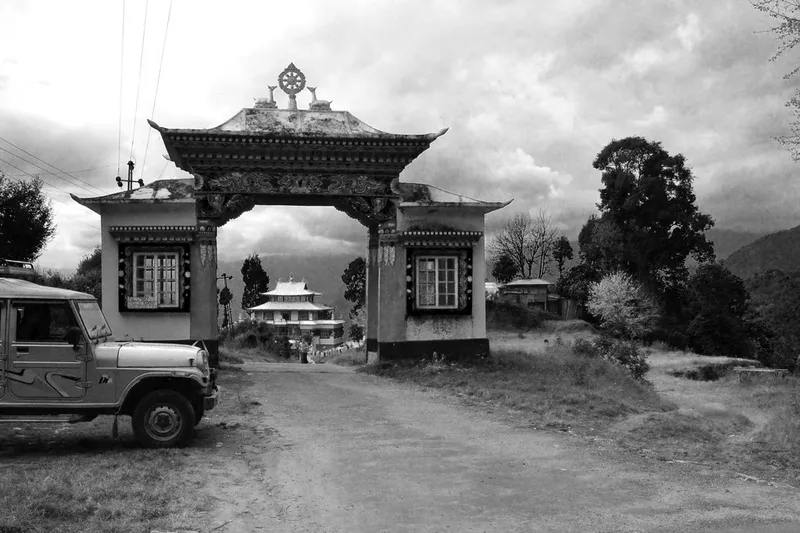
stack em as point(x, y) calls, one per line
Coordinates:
point(330, 451)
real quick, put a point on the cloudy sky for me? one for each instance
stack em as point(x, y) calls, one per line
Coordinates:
point(530, 90)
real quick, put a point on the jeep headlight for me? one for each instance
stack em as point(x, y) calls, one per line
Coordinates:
point(202, 361)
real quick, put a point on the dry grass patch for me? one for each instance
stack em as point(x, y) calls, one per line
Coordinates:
point(753, 425)
point(233, 355)
point(552, 388)
point(350, 357)
point(126, 490)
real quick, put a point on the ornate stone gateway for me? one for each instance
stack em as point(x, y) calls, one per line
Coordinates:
point(425, 253)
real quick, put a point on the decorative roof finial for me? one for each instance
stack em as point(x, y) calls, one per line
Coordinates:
point(292, 81)
point(318, 104)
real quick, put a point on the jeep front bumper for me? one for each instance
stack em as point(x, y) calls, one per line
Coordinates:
point(211, 401)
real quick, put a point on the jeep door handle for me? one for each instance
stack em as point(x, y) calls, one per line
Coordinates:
point(23, 350)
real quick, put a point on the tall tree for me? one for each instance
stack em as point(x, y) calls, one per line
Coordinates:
point(717, 302)
point(255, 280)
point(355, 282)
point(504, 269)
point(648, 200)
point(528, 241)
point(600, 244)
point(787, 15)
point(26, 219)
point(562, 252)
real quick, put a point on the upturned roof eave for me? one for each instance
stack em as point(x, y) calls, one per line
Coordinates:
point(303, 135)
point(486, 207)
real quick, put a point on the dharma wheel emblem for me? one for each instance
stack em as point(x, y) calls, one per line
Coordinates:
point(292, 81)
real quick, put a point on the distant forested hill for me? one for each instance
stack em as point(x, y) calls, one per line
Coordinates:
point(776, 251)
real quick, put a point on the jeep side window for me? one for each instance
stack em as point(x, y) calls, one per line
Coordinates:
point(43, 322)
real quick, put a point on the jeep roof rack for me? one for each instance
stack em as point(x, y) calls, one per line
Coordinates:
point(10, 268)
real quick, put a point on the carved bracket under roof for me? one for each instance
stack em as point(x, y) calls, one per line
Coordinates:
point(369, 211)
point(223, 207)
point(295, 183)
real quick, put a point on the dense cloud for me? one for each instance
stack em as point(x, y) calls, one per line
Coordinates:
point(531, 95)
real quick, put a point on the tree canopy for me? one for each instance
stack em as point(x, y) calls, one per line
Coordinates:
point(647, 205)
point(528, 242)
point(88, 276)
point(562, 252)
point(26, 219)
point(255, 281)
point(355, 282)
point(717, 302)
point(504, 269)
point(787, 15)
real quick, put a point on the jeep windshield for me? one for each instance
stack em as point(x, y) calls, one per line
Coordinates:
point(93, 320)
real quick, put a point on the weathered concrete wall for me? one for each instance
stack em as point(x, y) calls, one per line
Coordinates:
point(441, 327)
point(153, 326)
point(392, 299)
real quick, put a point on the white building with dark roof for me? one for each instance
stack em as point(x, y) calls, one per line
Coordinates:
point(291, 310)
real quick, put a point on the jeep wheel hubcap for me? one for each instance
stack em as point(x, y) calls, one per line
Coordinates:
point(163, 422)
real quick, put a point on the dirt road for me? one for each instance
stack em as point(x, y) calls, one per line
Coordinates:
point(327, 450)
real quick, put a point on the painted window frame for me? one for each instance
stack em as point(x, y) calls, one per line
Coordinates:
point(158, 280)
point(437, 282)
point(464, 283)
point(127, 275)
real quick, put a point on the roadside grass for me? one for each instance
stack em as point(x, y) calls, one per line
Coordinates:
point(752, 426)
point(550, 388)
point(74, 478)
point(237, 355)
point(120, 490)
point(230, 356)
point(349, 357)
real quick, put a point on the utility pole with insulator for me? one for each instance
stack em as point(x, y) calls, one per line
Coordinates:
point(130, 180)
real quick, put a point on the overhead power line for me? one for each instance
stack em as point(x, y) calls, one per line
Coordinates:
point(45, 170)
point(121, 69)
point(158, 81)
point(139, 82)
point(70, 172)
point(47, 185)
point(49, 165)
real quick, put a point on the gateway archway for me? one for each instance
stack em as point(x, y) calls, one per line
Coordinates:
point(425, 254)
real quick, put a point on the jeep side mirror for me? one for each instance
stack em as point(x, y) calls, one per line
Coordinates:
point(74, 336)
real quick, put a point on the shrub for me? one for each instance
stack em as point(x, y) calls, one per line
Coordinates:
point(622, 305)
point(621, 352)
point(629, 355)
point(585, 348)
point(247, 334)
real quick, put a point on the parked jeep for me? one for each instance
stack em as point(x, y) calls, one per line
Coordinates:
point(57, 357)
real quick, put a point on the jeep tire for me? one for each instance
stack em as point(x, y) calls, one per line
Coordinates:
point(163, 419)
point(199, 411)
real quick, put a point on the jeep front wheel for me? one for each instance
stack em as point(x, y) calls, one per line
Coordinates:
point(163, 419)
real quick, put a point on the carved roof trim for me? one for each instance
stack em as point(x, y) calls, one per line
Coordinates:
point(283, 123)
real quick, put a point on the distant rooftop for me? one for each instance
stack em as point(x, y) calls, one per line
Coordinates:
point(291, 288)
point(526, 283)
point(161, 191)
